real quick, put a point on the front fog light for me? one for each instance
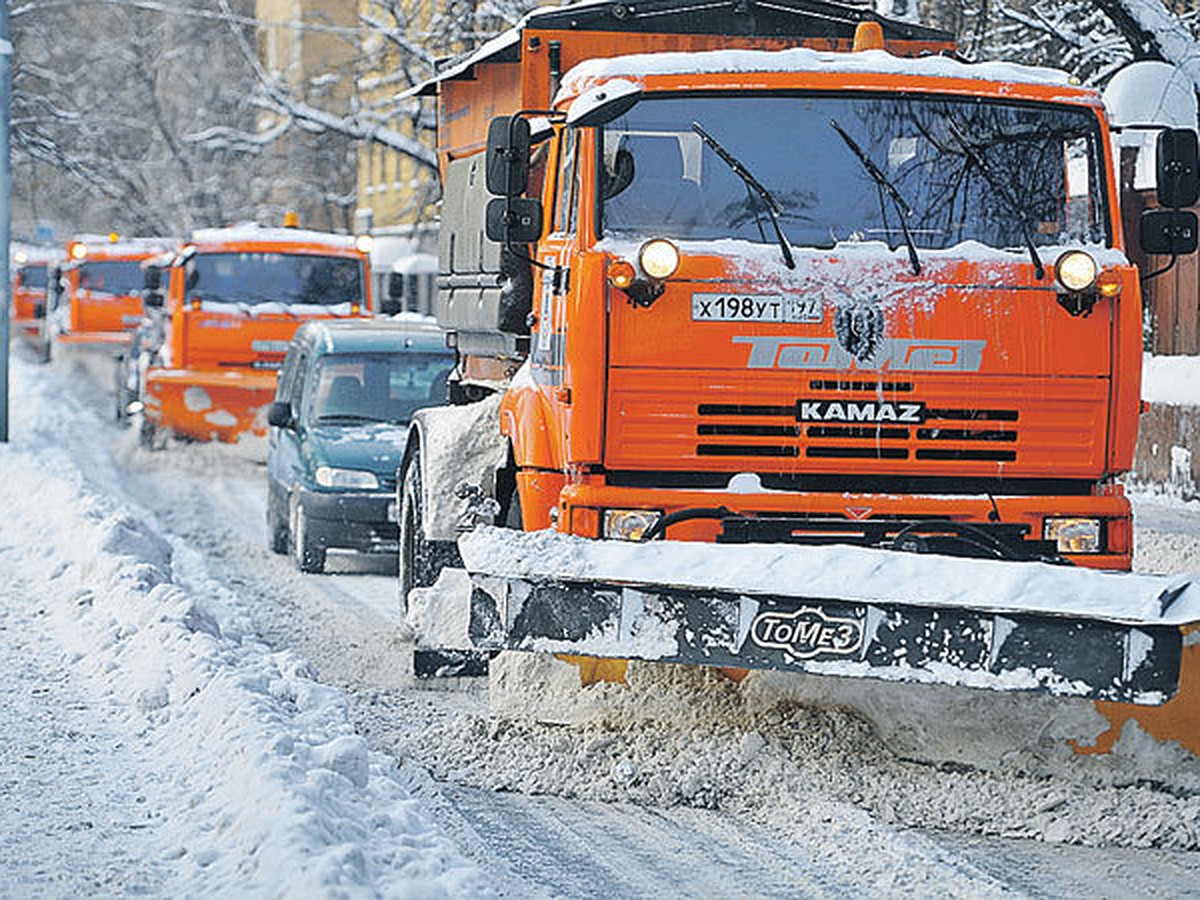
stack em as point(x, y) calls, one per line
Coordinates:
point(1073, 535)
point(659, 259)
point(329, 477)
point(629, 524)
point(1076, 271)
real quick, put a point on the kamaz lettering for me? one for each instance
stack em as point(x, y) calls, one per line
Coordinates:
point(868, 411)
point(896, 354)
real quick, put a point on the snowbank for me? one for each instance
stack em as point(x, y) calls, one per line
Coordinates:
point(1174, 380)
point(262, 786)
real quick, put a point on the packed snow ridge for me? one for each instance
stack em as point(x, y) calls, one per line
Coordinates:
point(257, 783)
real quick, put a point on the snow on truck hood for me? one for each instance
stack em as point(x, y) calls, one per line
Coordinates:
point(637, 67)
point(853, 574)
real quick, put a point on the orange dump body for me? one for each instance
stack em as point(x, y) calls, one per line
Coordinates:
point(218, 367)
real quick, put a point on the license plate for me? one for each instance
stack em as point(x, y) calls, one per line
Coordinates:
point(393, 512)
point(756, 308)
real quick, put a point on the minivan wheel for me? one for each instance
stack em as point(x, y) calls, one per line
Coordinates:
point(308, 555)
point(277, 529)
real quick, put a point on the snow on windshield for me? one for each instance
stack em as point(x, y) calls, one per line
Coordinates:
point(257, 278)
point(854, 169)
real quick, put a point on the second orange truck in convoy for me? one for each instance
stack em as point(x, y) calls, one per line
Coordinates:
point(856, 291)
point(222, 308)
point(101, 305)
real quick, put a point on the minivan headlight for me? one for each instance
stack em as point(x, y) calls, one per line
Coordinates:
point(328, 476)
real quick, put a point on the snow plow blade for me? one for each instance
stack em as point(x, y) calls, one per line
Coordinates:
point(209, 405)
point(837, 611)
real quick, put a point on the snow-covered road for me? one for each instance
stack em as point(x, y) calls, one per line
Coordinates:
point(188, 714)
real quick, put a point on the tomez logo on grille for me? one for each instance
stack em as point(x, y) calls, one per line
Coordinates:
point(806, 633)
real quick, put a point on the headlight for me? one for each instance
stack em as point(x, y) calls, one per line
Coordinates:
point(629, 524)
point(1075, 270)
point(659, 259)
point(329, 477)
point(1073, 535)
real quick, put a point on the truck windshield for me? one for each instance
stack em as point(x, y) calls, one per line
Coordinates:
point(253, 279)
point(32, 276)
point(350, 388)
point(116, 277)
point(1040, 179)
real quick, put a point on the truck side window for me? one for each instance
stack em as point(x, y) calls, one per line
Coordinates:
point(564, 206)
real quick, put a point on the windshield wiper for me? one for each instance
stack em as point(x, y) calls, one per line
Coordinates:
point(1013, 207)
point(774, 210)
point(888, 188)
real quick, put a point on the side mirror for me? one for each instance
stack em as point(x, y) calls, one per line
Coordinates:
point(279, 414)
point(151, 279)
point(514, 220)
point(1170, 232)
point(508, 156)
point(153, 299)
point(1178, 168)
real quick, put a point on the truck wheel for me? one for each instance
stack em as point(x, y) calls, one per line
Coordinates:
point(121, 410)
point(148, 437)
point(308, 555)
point(276, 528)
point(421, 560)
point(43, 352)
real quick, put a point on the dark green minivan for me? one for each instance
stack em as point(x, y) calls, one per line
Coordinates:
point(346, 393)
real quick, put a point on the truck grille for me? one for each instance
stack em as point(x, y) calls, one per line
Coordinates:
point(924, 426)
point(930, 440)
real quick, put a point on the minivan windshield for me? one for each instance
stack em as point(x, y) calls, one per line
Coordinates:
point(846, 167)
point(352, 388)
point(252, 279)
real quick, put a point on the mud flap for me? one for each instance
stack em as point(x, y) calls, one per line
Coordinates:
point(1011, 652)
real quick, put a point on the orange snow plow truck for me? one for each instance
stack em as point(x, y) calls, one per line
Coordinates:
point(102, 304)
point(223, 307)
point(794, 344)
point(35, 271)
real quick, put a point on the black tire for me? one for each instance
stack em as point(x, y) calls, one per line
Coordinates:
point(513, 518)
point(308, 555)
point(420, 560)
point(277, 529)
point(121, 403)
point(148, 436)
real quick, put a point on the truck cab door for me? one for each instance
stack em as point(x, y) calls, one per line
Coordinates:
point(555, 282)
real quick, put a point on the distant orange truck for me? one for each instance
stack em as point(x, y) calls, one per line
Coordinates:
point(222, 308)
point(102, 305)
point(33, 273)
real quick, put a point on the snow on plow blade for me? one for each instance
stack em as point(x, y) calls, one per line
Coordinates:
point(209, 405)
point(838, 611)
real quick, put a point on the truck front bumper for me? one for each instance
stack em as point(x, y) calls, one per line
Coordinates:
point(582, 510)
